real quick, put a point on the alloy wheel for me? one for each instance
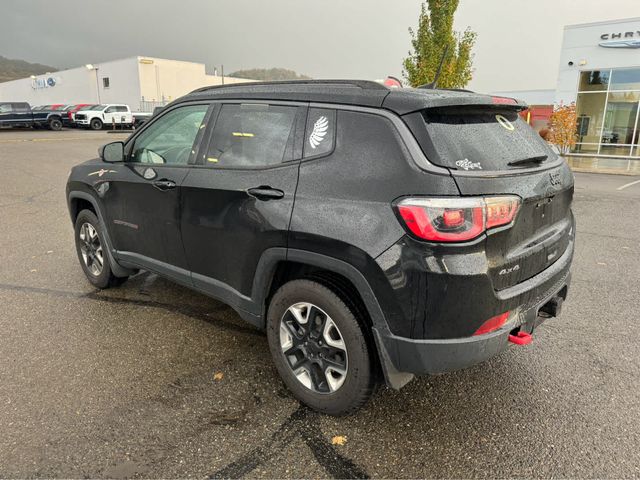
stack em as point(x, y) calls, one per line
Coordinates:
point(313, 347)
point(91, 249)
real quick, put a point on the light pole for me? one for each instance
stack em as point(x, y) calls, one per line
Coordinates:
point(95, 69)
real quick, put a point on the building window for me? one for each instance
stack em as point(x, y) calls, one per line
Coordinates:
point(608, 107)
point(105, 82)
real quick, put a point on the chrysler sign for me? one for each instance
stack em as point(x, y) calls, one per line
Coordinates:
point(620, 40)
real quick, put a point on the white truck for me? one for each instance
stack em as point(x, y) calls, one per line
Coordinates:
point(98, 116)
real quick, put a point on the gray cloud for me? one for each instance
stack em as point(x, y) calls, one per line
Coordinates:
point(518, 42)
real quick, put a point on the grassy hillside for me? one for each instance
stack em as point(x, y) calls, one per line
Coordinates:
point(269, 74)
point(14, 69)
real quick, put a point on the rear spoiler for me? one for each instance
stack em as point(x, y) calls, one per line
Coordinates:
point(412, 100)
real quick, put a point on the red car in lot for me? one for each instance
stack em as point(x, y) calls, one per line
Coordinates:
point(69, 110)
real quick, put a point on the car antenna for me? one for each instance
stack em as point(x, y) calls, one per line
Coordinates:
point(433, 84)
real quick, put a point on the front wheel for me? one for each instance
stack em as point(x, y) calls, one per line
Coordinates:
point(96, 124)
point(319, 348)
point(92, 251)
point(55, 124)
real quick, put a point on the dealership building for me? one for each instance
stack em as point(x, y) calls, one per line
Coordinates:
point(140, 82)
point(600, 72)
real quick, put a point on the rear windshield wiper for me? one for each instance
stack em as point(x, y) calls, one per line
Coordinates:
point(522, 161)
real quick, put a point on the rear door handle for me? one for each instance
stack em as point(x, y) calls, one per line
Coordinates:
point(164, 184)
point(265, 193)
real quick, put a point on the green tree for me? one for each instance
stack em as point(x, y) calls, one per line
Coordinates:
point(434, 35)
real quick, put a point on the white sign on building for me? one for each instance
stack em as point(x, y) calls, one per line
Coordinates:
point(600, 72)
point(140, 82)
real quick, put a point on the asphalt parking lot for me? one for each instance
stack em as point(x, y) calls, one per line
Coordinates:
point(125, 382)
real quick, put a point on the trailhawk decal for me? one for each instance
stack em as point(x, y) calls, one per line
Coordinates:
point(101, 172)
point(467, 164)
point(319, 131)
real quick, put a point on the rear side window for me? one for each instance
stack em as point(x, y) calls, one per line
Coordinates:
point(476, 138)
point(21, 107)
point(252, 135)
point(5, 108)
point(320, 135)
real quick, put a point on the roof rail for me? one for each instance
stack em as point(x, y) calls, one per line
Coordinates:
point(364, 84)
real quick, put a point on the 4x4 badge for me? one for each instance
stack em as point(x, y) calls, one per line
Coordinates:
point(319, 131)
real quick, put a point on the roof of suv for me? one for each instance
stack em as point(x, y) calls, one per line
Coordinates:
point(347, 92)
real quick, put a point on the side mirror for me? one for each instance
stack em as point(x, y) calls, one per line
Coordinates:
point(112, 152)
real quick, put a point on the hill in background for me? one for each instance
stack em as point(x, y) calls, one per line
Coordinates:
point(15, 69)
point(269, 74)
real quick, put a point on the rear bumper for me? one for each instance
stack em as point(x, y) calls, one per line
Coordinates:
point(430, 356)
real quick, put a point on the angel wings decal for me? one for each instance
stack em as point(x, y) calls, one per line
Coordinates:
point(319, 131)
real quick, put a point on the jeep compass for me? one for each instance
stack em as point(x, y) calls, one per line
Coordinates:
point(374, 234)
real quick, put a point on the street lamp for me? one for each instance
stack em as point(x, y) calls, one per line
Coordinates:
point(95, 69)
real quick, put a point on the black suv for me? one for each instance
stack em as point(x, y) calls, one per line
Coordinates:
point(373, 233)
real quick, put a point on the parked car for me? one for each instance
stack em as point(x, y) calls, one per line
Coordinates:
point(98, 116)
point(54, 106)
point(140, 118)
point(69, 110)
point(20, 114)
point(375, 234)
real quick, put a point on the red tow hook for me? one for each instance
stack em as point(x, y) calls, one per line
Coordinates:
point(521, 338)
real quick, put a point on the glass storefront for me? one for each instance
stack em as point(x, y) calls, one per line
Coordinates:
point(607, 107)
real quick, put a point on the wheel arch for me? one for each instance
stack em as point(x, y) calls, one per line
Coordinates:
point(79, 201)
point(280, 265)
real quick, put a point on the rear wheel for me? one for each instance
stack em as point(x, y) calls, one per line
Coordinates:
point(92, 251)
point(55, 124)
point(96, 124)
point(319, 348)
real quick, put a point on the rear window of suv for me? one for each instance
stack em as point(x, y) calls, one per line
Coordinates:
point(477, 138)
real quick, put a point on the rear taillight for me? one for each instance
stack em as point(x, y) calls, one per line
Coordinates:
point(456, 219)
point(494, 323)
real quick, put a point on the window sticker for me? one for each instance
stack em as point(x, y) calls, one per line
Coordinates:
point(319, 132)
point(504, 121)
point(467, 164)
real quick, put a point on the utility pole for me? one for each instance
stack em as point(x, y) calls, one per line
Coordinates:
point(95, 69)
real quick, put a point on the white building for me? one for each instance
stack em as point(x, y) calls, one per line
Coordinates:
point(600, 72)
point(141, 82)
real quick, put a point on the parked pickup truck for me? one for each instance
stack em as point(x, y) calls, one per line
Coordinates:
point(98, 116)
point(19, 114)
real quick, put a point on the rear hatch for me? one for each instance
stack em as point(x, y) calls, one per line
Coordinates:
point(490, 151)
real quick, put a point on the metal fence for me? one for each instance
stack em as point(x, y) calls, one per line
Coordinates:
point(149, 105)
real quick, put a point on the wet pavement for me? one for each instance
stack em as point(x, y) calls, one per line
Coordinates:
point(126, 382)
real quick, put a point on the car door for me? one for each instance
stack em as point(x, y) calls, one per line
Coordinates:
point(237, 201)
point(6, 114)
point(143, 200)
point(22, 114)
point(109, 115)
point(122, 114)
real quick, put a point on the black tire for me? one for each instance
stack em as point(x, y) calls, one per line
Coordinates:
point(55, 124)
point(96, 124)
point(104, 278)
point(359, 382)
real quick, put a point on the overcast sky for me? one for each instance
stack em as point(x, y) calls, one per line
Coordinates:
point(518, 40)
